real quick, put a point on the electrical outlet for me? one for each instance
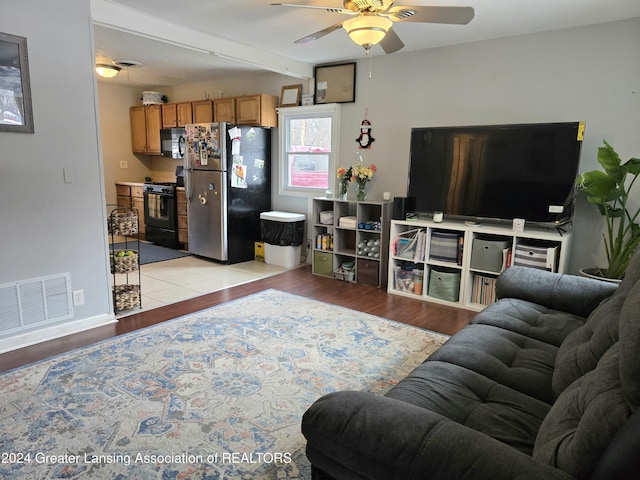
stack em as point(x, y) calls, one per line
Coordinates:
point(78, 298)
point(124, 164)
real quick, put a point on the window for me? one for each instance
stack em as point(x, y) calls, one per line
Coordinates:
point(309, 140)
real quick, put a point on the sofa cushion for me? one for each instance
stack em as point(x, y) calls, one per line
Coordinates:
point(630, 347)
point(583, 348)
point(584, 419)
point(509, 358)
point(473, 400)
point(530, 319)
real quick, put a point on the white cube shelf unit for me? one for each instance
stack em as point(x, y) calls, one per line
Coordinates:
point(360, 241)
point(455, 263)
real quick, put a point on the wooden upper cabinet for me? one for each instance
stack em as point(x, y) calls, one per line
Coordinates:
point(224, 110)
point(169, 115)
point(154, 124)
point(137, 116)
point(146, 122)
point(175, 115)
point(259, 110)
point(203, 111)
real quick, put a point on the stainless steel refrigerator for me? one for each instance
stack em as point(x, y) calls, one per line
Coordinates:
point(228, 184)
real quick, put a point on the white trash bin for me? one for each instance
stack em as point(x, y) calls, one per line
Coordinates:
point(282, 234)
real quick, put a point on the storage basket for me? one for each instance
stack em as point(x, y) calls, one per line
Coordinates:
point(444, 284)
point(488, 254)
point(445, 246)
point(535, 257)
point(343, 274)
point(152, 98)
point(124, 224)
point(404, 281)
point(326, 217)
point(126, 297)
point(124, 261)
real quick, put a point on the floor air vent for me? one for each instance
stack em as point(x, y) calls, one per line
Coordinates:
point(35, 301)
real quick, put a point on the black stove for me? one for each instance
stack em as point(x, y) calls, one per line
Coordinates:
point(160, 187)
point(160, 213)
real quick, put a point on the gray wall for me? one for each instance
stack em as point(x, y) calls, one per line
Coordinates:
point(49, 227)
point(590, 74)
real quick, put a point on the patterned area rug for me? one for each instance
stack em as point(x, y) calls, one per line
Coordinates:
point(217, 395)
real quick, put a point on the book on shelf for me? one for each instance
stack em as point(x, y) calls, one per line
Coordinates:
point(483, 289)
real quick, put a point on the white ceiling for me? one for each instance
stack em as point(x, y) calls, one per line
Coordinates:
point(188, 41)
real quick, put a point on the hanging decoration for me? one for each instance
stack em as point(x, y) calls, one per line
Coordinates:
point(365, 139)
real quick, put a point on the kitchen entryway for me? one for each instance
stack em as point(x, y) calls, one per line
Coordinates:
point(171, 281)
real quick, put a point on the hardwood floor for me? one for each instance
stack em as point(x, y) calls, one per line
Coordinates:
point(299, 281)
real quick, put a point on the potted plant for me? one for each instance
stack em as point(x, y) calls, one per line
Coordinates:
point(609, 191)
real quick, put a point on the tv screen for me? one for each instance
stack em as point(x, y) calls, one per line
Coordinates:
point(496, 172)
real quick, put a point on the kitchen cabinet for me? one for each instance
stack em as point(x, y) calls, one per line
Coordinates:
point(146, 122)
point(203, 111)
point(175, 115)
point(183, 219)
point(259, 110)
point(224, 110)
point(132, 196)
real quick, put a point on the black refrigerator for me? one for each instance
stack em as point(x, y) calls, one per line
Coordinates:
point(228, 184)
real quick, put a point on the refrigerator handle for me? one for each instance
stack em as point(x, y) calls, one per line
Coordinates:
point(187, 176)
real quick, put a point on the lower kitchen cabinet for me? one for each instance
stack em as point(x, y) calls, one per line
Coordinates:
point(132, 196)
point(183, 219)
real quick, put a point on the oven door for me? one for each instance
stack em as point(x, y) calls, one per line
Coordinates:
point(160, 210)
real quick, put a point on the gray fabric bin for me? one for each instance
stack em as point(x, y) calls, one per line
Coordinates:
point(487, 253)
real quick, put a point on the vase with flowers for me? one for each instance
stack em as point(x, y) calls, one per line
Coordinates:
point(344, 176)
point(361, 174)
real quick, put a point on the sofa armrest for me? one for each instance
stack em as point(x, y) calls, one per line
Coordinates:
point(361, 435)
point(567, 293)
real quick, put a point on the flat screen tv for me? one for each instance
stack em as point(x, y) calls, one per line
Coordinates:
point(496, 172)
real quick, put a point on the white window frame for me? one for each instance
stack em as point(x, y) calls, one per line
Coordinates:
point(331, 110)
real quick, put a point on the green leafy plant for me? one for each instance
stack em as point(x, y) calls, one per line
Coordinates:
point(609, 191)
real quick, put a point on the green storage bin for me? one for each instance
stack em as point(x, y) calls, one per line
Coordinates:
point(323, 263)
point(444, 284)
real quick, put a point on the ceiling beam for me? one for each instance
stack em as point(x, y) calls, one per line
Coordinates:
point(121, 17)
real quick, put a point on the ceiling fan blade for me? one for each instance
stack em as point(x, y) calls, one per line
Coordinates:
point(391, 42)
point(320, 34)
point(316, 7)
point(424, 14)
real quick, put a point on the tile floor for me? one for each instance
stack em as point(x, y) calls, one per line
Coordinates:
point(171, 281)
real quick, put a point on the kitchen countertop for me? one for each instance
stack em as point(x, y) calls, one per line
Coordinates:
point(139, 184)
point(130, 184)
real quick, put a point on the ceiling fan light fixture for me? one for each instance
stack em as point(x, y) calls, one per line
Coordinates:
point(107, 71)
point(367, 30)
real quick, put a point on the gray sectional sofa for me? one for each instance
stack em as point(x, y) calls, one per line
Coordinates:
point(544, 384)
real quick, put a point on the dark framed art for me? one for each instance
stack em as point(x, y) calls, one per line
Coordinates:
point(335, 83)
point(15, 91)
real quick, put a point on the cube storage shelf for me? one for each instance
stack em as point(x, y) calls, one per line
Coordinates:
point(354, 248)
point(453, 263)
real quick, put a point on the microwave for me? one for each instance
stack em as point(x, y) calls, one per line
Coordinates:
point(172, 142)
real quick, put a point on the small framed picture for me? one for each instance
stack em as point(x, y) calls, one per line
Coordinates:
point(335, 83)
point(15, 89)
point(290, 96)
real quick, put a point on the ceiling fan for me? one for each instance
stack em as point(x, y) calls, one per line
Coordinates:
point(372, 19)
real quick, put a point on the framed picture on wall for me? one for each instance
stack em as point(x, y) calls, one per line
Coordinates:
point(335, 83)
point(15, 90)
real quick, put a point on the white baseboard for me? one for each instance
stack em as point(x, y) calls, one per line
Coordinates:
point(26, 339)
